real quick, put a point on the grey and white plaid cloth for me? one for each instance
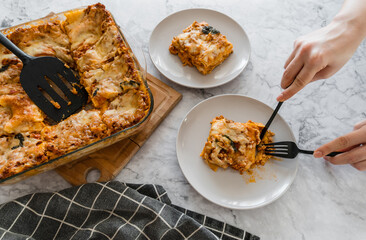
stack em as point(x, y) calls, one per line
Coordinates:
point(111, 210)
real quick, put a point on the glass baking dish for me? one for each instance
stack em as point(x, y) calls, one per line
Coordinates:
point(85, 150)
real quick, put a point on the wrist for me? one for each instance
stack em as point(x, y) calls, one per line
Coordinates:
point(354, 23)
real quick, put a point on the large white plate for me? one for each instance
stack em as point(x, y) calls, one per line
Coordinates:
point(228, 188)
point(171, 66)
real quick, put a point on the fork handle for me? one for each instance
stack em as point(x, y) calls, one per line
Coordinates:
point(332, 154)
point(14, 49)
point(306, 151)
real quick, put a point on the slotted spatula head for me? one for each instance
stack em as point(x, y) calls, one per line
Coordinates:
point(53, 87)
point(49, 83)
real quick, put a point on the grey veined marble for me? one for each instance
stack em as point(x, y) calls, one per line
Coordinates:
point(325, 201)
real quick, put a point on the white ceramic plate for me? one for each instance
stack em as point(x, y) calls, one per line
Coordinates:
point(171, 66)
point(228, 188)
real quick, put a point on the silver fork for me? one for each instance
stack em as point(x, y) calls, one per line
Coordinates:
point(288, 149)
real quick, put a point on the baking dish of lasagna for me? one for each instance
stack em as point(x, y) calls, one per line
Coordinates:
point(88, 41)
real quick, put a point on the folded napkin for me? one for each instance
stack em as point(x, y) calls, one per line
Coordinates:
point(111, 210)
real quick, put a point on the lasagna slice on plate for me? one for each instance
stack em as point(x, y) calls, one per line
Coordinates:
point(236, 145)
point(202, 46)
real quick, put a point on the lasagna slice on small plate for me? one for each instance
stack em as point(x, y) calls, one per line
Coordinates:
point(215, 44)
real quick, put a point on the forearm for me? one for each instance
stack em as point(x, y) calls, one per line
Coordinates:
point(353, 12)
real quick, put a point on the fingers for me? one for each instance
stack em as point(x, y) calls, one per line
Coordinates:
point(306, 63)
point(351, 139)
point(291, 71)
point(350, 157)
point(359, 125)
point(304, 77)
point(361, 166)
point(325, 73)
point(297, 45)
point(353, 145)
point(290, 58)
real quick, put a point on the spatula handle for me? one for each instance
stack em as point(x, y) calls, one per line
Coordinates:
point(14, 49)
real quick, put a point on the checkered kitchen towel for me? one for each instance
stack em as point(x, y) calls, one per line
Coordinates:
point(111, 210)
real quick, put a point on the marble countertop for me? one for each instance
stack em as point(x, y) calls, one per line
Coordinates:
point(324, 201)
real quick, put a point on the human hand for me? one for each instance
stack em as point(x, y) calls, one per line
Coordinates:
point(319, 55)
point(352, 144)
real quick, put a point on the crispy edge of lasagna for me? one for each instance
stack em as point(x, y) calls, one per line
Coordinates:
point(204, 51)
point(234, 144)
point(27, 150)
point(48, 39)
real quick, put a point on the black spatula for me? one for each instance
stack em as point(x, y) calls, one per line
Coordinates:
point(51, 85)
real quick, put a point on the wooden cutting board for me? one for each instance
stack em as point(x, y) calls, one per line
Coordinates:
point(110, 160)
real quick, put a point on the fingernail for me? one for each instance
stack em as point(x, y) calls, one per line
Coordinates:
point(326, 158)
point(318, 154)
point(280, 97)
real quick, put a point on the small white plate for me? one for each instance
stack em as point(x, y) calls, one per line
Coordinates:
point(171, 66)
point(228, 188)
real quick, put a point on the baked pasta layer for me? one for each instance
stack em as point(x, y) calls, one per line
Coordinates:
point(202, 46)
point(234, 144)
point(89, 42)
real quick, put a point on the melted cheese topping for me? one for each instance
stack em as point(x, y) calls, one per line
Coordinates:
point(105, 64)
point(25, 116)
point(85, 27)
point(125, 110)
point(24, 154)
point(107, 47)
point(10, 74)
point(6, 57)
point(233, 144)
point(204, 51)
point(79, 129)
point(5, 116)
point(105, 83)
point(11, 89)
point(44, 40)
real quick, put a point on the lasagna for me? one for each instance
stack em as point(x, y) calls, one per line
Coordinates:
point(202, 46)
point(236, 145)
point(90, 43)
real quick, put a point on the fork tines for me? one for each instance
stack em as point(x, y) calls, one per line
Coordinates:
point(277, 149)
point(276, 143)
